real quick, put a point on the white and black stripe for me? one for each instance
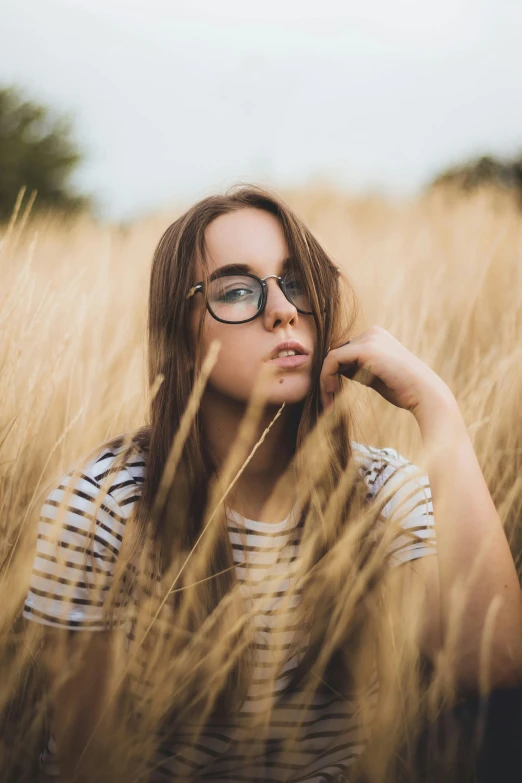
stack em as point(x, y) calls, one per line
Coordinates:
point(64, 593)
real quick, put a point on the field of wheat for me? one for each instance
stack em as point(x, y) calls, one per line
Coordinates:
point(442, 273)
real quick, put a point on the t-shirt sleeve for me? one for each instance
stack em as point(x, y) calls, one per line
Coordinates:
point(408, 510)
point(78, 541)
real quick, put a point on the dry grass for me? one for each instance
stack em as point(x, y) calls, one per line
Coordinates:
point(443, 275)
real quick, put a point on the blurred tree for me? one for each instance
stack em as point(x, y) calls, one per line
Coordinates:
point(486, 170)
point(36, 151)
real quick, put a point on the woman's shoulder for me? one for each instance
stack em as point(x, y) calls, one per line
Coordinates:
point(374, 458)
point(382, 466)
point(404, 495)
point(79, 535)
point(112, 474)
point(119, 467)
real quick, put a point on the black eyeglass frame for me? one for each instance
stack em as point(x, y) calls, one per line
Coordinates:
point(198, 288)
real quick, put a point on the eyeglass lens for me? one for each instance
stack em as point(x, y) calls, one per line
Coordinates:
point(236, 297)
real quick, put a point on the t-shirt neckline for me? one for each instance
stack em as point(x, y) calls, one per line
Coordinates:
point(255, 524)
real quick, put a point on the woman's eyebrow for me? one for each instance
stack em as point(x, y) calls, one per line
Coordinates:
point(244, 268)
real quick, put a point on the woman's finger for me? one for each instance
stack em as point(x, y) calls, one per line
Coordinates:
point(340, 360)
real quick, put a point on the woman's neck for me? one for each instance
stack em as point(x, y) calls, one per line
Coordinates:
point(221, 418)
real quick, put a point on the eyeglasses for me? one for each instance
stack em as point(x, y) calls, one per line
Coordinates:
point(238, 298)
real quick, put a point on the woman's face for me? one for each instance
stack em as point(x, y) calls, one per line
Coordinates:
point(255, 238)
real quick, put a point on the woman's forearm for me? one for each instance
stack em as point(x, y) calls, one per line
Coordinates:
point(82, 717)
point(474, 559)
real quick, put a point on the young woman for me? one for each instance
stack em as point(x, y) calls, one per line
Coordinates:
point(243, 270)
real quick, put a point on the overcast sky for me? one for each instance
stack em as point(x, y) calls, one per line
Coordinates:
point(174, 100)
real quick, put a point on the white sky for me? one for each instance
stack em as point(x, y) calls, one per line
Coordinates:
point(177, 99)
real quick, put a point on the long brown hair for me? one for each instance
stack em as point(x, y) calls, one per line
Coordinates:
point(174, 358)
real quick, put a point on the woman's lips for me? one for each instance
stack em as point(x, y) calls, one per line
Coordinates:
point(290, 361)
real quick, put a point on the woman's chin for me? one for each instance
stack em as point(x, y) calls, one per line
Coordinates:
point(288, 391)
point(273, 391)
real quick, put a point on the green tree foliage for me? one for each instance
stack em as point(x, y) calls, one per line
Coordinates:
point(502, 174)
point(37, 152)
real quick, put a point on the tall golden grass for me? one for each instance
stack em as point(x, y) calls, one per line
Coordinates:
point(442, 273)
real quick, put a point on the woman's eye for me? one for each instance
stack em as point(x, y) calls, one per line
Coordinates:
point(293, 285)
point(233, 294)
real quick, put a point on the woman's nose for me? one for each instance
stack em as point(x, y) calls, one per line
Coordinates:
point(277, 305)
point(275, 293)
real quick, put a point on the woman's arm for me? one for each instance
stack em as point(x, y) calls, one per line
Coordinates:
point(78, 665)
point(474, 573)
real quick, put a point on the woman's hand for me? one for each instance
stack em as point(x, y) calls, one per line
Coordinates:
point(377, 360)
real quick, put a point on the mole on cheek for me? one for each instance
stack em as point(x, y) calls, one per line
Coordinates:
point(281, 380)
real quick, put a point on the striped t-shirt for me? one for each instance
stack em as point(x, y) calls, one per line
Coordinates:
point(327, 741)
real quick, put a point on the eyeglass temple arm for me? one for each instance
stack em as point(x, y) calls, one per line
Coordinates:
point(194, 290)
